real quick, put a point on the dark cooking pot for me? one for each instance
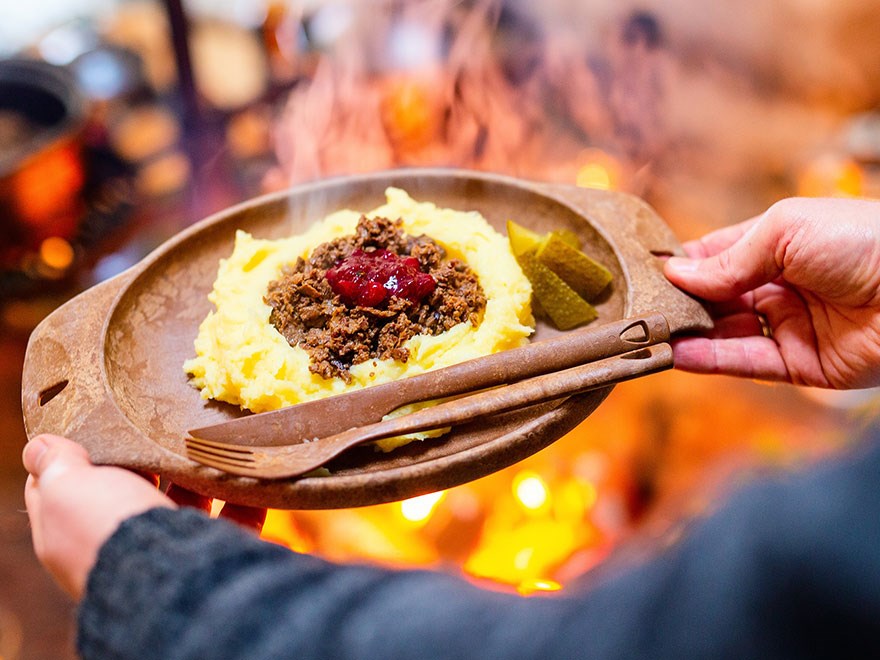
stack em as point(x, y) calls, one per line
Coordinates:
point(42, 121)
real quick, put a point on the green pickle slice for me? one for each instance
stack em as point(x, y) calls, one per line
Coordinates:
point(559, 301)
point(586, 276)
point(522, 240)
point(564, 279)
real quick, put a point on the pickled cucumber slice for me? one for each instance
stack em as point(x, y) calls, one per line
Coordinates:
point(586, 276)
point(559, 301)
point(522, 240)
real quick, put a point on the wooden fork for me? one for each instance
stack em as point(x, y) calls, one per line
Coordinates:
point(278, 462)
point(325, 417)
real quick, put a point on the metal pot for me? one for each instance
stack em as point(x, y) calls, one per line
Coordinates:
point(42, 121)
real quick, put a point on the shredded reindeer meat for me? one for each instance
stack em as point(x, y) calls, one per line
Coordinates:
point(336, 335)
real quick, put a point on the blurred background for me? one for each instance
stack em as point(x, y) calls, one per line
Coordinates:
point(122, 122)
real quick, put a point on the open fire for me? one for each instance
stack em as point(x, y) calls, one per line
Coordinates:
point(474, 85)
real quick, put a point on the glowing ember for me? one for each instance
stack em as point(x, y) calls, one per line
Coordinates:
point(56, 253)
point(599, 170)
point(530, 490)
point(42, 192)
point(527, 587)
point(419, 509)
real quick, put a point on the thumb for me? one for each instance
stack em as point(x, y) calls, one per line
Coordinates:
point(743, 266)
point(46, 455)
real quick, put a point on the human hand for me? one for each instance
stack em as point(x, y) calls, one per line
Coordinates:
point(795, 294)
point(75, 506)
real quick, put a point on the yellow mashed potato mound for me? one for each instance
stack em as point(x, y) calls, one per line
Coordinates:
point(242, 359)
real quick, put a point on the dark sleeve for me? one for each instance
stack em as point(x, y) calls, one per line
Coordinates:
point(789, 568)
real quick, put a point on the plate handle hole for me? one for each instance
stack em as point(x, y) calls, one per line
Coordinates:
point(51, 392)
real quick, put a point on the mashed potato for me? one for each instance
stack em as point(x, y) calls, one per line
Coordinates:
point(242, 359)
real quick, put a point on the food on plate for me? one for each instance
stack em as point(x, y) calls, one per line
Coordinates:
point(556, 299)
point(361, 297)
point(356, 300)
point(586, 276)
point(564, 279)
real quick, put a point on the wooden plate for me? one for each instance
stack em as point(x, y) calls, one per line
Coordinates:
point(105, 369)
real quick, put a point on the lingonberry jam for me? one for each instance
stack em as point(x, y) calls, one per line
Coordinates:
point(363, 296)
point(369, 278)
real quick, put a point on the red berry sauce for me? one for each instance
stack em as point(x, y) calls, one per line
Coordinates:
point(368, 279)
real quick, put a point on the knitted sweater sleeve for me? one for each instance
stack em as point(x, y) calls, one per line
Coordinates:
point(788, 568)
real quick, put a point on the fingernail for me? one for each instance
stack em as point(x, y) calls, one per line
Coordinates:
point(682, 264)
point(32, 453)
